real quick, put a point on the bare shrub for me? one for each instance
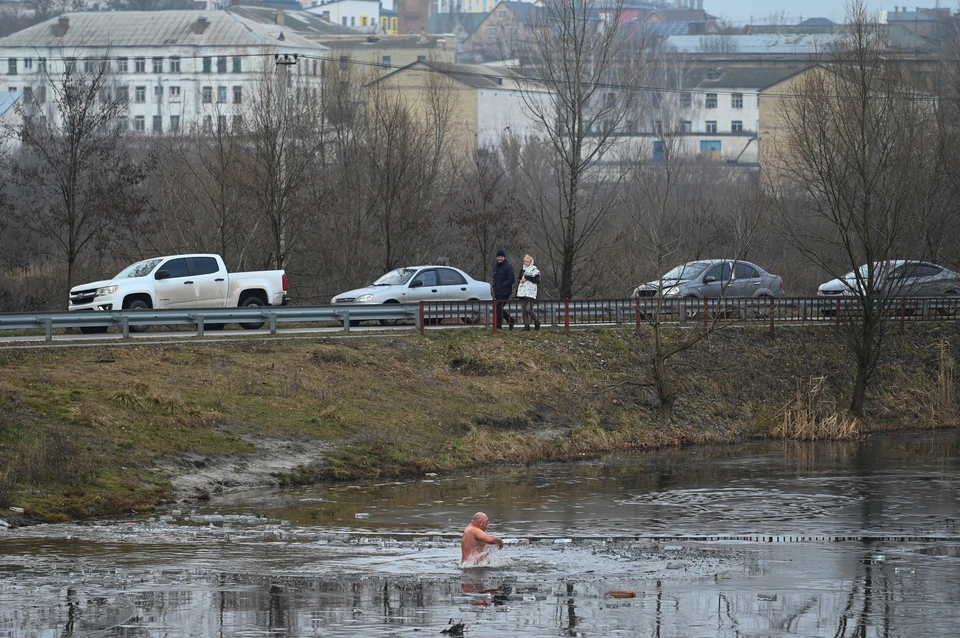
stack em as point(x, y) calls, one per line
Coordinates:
point(811, 416)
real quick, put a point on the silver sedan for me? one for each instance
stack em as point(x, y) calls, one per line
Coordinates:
point(714, 278)
point(419, 283)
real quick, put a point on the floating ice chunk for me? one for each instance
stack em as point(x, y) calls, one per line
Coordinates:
point(559, 541)
point(361, 515)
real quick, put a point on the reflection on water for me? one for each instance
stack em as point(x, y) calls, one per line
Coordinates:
point(302, 563)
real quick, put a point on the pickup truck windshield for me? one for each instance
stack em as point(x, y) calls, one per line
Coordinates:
point(139, 269)
point(395, 277)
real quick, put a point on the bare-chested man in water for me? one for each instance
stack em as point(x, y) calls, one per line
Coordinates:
point(476, 541)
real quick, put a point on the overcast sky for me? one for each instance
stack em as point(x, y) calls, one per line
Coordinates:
point(739, 11)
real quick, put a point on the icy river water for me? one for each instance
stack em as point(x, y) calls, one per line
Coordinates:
point(825, 539)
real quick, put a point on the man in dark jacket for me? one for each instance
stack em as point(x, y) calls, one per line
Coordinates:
point(503, 278)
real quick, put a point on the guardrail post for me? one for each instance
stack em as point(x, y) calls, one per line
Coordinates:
point(420, 317)
point(706, 314)
point(838, 314)
point(771, 316)
point(200, 324)
point(903, 314)
point(803, 310)
point(566, 316)
point(48, 328)
point(125, 326)
point(926, 309)
point(273, 322)
point(346, 321)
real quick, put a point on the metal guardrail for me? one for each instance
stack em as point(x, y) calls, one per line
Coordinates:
point(562, 313)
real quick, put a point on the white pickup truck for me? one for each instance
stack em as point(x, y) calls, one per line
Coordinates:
point(181, 281)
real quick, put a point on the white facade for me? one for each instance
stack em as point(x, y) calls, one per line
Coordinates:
point(357, 14)
point(501, 113)
point(204, 75)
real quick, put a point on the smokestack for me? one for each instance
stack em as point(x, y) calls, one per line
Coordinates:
point(63, 23)
point(281, 16)
point(200, 25)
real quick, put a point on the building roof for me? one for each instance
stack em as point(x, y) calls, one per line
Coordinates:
point(302, 22)
point(155, 29)
point(665, 29)
point(911, 16)
point(448, 22)
point(817, 22)
point(386, 42)
point(736, 77)
point(7, 101)
point(473, 75)
point(796, 44)
point(525, 12)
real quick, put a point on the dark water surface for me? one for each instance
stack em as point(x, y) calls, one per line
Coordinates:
point(820, 539)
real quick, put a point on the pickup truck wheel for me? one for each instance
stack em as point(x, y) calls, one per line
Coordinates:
point(251, 302)
point(138, 304)
point(93, 330)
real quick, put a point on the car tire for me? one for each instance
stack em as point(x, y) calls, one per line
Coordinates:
point(93, 330)
point(474, 313)
point(389, 322)
point(137, 304)
point(251, 302)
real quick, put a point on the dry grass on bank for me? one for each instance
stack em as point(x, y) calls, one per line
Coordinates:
point(81, 430)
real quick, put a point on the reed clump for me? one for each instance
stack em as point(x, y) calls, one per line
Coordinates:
point(811, 416)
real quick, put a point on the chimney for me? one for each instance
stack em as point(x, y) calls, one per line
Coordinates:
point(200, 25)
point(896, 11)
point(325, 15)
point(281, 16)
point(63, 23)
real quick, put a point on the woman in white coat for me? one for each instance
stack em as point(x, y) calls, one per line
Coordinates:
point(527, 293)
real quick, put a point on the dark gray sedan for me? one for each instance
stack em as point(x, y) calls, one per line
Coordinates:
point(714, 278)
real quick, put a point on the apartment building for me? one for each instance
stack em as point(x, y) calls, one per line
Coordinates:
point(171, 68)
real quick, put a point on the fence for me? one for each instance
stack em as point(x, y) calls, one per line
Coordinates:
point(558, 313)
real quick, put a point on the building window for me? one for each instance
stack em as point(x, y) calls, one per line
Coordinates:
point(353, 21)
point(421, 58)
point(237, 95)
point(344, 61)
point(221, 95)
point(394, 25)
point(174, 65)
point(492, 32)
point(736, 126)
point(27, 64)
point(140, 94)
point(122, 66)
point(158, 124)
point(711, 126)
point(686, 100)
point(386, 61)
point(222, 123)
point(363, 21)
point(41, 94)
point(174, 123)
point(122, 123)
point(237, 65)
point(71, 65)
point(207, 65)
point(11, 89)
point(207, 124)
point(222, 64)
point(711, 100)
point(105, 95)
point(610, 99)
point(139, 123)
point(736, 100)
point(157, 66)
point(174, 93)
point(237, 123)
point(687, 126)
point(123, 94)
point(158, 94)
point(344, 20)
point(11, 66)
point(88, 65)
point(139, 65)
point(207, 95)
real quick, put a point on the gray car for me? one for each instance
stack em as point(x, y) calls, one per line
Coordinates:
point(714, 278)
point(898, 278)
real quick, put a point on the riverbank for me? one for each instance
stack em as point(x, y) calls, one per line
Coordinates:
point(121, 430)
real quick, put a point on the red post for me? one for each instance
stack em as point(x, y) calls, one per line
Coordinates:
point(566, 315)
point(771, 316)
point(706, 314)
point(421, 317)
point(497, 312)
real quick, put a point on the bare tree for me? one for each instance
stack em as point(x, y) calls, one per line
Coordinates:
point(857, 176)
point(592, 70)
point(72, 173)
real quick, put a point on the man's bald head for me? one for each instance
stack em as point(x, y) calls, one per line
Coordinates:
point(480, 519)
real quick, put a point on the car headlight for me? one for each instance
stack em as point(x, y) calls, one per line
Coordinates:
point(364, 298)
point(671, 292)
point(106, 290)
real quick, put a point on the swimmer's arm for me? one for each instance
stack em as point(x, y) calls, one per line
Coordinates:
point(489, 539)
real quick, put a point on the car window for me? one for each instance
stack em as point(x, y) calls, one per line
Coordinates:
point(928, 270)
point(396, 277)
point(685, 271)
point(450, 277)
point(428, 277)
point(720, 272)
point(205, 265)
point(745, 271)
point(139, 269)
point(176, 268)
